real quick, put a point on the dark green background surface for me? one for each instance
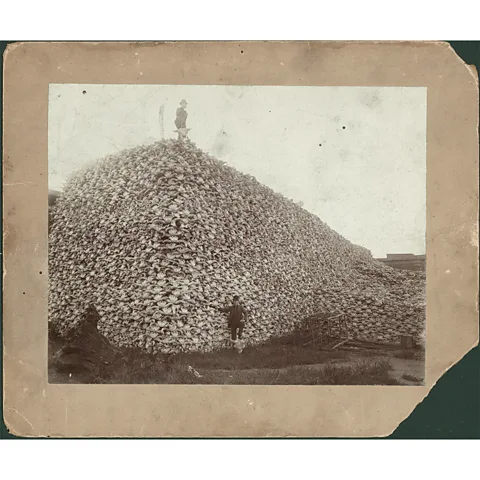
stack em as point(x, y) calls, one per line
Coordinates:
point(452, 408)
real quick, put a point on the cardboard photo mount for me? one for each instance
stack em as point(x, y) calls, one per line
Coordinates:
point(34, 408)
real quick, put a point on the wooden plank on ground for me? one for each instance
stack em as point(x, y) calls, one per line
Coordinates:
point(340, 343)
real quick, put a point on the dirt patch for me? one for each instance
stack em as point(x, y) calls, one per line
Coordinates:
point(408, 371)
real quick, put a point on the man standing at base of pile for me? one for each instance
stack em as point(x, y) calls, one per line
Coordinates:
point(181, 120)
point(237, 316)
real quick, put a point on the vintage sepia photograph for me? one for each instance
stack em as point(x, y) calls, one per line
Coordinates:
point(233, 234)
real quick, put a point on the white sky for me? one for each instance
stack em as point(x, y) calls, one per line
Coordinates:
point(367, 181)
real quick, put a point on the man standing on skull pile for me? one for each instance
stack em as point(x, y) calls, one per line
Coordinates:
point(237, 316)
point(181, 120)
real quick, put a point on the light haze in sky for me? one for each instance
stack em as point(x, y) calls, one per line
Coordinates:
point(354, 156)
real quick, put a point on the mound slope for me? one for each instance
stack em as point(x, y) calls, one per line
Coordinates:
point(158, 237)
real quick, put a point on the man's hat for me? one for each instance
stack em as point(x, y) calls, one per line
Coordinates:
point(184, 101)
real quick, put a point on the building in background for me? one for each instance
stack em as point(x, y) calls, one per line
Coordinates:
point(405, 261)
point(52, 198)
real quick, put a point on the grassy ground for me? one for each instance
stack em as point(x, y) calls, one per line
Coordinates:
point(275, 363)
